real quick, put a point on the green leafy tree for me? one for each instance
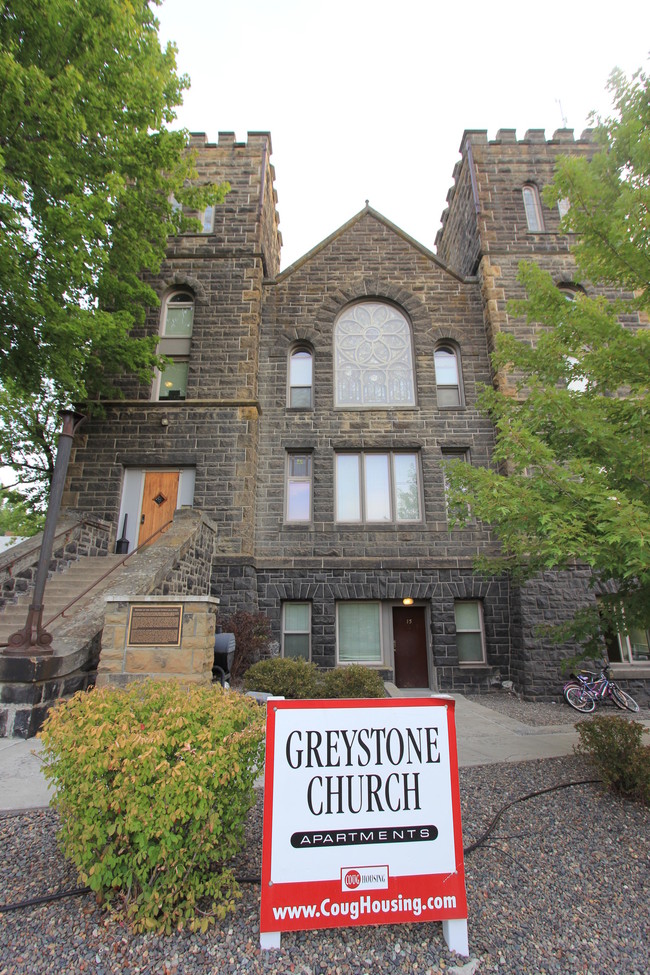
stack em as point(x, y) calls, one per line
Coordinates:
point(571, 481)
point(88, 175)
point(16, 518)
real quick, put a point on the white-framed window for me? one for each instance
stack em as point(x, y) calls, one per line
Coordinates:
point(207, 220)
point(176, 325)
point(373, 358)
point(178, 315)
point(533, 208)
point(296, 630)
point(298, 487)
point(173, 379)
point(631, 647)
point(358, 632)
point(449, 389)
point(470, 636)
point(301, 368)
point(563, 206)
point(375, 487)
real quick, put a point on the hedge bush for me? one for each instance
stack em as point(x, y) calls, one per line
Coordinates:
point(352, 681)
point(616, 749)
point(284, 677)
point(295, 678)
point(153, 783)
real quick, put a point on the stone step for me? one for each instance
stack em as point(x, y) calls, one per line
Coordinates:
point(60, 590)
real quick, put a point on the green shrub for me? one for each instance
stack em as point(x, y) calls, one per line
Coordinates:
point(352, 681)
point(615, 746)
point(284, 677)
point(153, 783)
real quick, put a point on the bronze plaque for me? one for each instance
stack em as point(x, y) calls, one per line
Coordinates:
point(155, 626)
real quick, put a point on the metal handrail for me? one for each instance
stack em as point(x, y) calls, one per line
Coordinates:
point(116, 565)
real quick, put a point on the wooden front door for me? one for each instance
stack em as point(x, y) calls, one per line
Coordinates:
point(158, 501)
point(410, 645)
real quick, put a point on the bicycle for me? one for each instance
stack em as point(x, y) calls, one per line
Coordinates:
point(585, 690)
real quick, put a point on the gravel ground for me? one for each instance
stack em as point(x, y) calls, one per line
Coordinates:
point(542, 713)
point(559, 887)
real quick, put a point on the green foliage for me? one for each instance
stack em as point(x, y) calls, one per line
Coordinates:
point(16, 518)
point(87, 171)
point(571, 481)
point(354, 680)
point(298, 679)
point(153, 784)
point(284, 677)
point(28, 438)
point(252, 634)
point(615, 747)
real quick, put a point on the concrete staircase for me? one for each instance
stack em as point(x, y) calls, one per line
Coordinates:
point(60, 590)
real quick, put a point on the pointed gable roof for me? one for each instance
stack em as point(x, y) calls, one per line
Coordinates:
point(380, 218)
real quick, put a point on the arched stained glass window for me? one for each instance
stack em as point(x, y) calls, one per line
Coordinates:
point(373, 357)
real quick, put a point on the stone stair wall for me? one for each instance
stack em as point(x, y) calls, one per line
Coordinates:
point(177, 563)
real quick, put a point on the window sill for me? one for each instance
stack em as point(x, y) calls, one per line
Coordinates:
point(467, 665)
point(631, 671)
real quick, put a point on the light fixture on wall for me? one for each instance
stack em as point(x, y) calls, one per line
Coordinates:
point(407, 601)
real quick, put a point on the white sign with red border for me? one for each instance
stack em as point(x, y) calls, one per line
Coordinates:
point(362, 817)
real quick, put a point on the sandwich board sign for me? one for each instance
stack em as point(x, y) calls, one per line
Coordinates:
point(362, 817)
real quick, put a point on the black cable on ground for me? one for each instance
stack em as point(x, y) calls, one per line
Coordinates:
point(45, 899)
point(78, 891)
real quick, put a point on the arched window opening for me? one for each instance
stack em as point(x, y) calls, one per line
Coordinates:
point(533, 208)
point(175, 336)
point(301, 379)
point(373, 357)
point(178, 319)
point(448, 383)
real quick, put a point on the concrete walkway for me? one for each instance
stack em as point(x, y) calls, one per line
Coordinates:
point(484, 737)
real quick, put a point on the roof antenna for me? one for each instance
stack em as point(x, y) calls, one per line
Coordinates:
point(563, 116)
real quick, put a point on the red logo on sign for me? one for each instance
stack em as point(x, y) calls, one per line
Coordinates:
point(352, 879)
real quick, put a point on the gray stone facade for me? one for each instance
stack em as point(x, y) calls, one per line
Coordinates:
point(235, 432)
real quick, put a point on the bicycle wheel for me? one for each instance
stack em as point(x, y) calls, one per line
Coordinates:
point(579, 698)
point(623, 700)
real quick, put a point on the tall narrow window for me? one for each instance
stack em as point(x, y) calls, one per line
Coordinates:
point(178, 318)
point(533, 208)
point(296, 630)
point(470, 640)
point(300, 379)
point(377, 487)
point(207, 219)
point(175, 336)
point(373, 357)
point(448, 383)
point(359, 633)
point(298, 493)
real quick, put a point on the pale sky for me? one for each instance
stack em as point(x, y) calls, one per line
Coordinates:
point(368, 99)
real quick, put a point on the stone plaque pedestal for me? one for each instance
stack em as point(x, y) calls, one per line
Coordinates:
point(159, 637)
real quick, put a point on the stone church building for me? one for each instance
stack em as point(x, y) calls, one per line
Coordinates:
point(306, 413)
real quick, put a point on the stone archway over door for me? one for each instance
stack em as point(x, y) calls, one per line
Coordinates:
point(410, 646)
point(159, 496)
